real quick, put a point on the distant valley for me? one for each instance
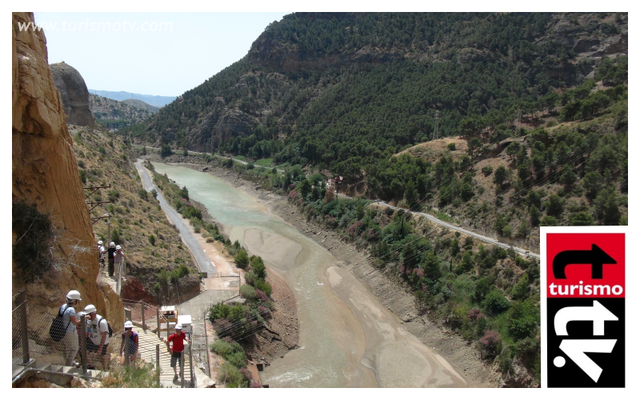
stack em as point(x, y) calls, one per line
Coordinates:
point(114, 114)
point(158, 101)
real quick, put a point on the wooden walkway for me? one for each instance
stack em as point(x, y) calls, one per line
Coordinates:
point(147, 342)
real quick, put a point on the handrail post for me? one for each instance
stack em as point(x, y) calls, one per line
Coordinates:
point(158, 320)
point(182, 368)
point(190, 366)
point(158, 362)
point(142, 311)
point(22, 300)
point(127, 338)
point(83, 342)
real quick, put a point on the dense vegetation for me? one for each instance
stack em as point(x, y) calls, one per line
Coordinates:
point(34, 236)
point(238, 322)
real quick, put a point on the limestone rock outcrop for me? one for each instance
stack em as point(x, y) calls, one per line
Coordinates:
point(74, 94)
point(45, 173)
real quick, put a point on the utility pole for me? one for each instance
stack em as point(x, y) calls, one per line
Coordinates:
point(108, 218)
point(435, 131)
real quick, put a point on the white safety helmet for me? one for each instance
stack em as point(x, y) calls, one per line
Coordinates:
point(128, 324)
point(112, 244)
point(118, 247)
point(100, 242)
point(90, 309)
point(73, 295)
point(178, 326)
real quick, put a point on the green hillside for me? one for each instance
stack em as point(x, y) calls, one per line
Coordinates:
point(498, 122)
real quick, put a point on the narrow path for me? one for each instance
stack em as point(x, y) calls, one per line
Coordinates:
point(186, 234)
point(447, 225)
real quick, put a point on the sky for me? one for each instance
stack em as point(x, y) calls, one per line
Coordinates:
point(162, 54)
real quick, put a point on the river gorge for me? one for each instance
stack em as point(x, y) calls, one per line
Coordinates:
point(347, 337)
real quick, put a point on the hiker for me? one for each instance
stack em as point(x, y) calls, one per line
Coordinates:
point(97, 337)
point(110, 255)
point(118, 258)
point(101, 251)
point(69, 322)
point(177, 339)
point(133, 344)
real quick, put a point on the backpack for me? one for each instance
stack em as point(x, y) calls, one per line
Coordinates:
point(57, 331)
point(108, 326)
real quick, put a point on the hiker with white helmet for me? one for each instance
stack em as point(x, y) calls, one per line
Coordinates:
point(101, 251)
point(97, 337)
point(110, 255)
point(118, 258)
point(177, 339)
point(69, 322)
point(133, 342)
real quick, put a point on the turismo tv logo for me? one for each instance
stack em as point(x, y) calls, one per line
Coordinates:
point(585, 307)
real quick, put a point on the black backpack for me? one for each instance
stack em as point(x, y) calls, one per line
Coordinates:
point(57, 331)
point(108, 325)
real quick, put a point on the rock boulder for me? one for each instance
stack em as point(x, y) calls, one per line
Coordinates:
point(74, 94)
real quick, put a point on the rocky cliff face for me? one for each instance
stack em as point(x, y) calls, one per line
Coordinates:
point(45, 174)
point(74, 94)
point(272, 51)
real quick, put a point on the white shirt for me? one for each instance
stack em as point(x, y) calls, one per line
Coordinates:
point(95, 332)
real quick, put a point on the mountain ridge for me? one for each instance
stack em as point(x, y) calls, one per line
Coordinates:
point(154, 100)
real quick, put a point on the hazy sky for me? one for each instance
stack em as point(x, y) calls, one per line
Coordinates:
point(151, 53)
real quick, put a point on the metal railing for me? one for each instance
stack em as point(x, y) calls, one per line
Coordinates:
point(32, 342)
point(149, 317)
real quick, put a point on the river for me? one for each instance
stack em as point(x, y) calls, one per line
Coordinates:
point(347, 337)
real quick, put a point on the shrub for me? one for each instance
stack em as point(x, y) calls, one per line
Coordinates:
point(115, 235)
point(152, 239)
point(163, 277)
point(237, 359)
point(174, 276)
point(165, 151)
point(248, 292)
point(241, 259)
point(257, 266)
point(523, 319)
point(490, 344)
point(250, 278)
point(521, 289)
point(34, 234)
point(231, 377)
point(488, 170)
point(83, 176)
point(134, 376)
point(263, 286)
point(495, 302)
point(223, 348)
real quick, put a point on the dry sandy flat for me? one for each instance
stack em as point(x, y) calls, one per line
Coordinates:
point(274, 249)
point(398, 358)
